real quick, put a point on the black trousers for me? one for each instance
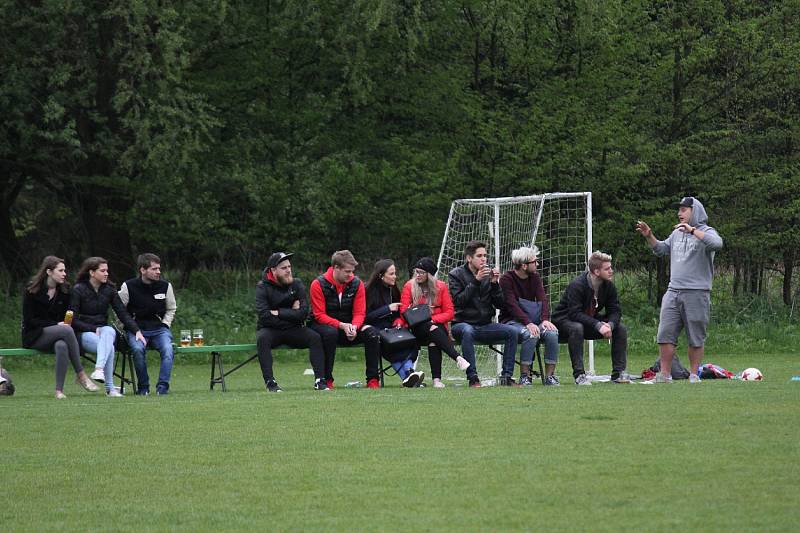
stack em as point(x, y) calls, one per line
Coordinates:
point(438, 341)
point(574, 333)
point(297, 337)
point(333, 337)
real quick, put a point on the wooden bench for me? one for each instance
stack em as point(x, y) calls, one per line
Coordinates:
point(127, 360)
point(218, 373)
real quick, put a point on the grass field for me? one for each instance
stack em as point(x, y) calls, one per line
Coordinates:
point(722, 455)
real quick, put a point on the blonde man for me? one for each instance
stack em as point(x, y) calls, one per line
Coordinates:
point(589, 309)
point(527, 308)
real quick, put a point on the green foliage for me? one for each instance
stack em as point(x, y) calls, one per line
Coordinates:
point(237, 128)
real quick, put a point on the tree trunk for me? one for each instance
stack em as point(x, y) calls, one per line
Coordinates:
point(788, 269)
point(10, 249)
point(662, 279)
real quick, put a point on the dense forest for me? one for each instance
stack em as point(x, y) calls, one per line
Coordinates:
point(213, 132)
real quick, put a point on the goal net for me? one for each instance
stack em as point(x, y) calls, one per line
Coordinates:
point(560, 224)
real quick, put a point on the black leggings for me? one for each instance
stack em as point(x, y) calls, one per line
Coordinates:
point(437, 340)
point(62, 341)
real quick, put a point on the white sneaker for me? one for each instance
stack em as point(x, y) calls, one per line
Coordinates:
point(437, 383)
point(462, 363)
point(88, 384)
point(582, 380)
point(694, 378)
point(99, 375)
point(114, 393)
point(662, 378)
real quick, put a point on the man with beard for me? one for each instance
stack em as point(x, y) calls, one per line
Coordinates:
point(282, 308)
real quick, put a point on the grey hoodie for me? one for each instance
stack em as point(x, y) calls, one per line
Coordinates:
point(691, 260)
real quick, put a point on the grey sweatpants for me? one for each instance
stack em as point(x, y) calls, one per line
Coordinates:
point(60, 340)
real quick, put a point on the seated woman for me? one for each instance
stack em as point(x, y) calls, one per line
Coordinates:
point(425, 288)
point(383, 312)
point(91, 298)
point(44, 306)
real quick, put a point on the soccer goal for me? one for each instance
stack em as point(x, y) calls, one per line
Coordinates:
point(560, 224)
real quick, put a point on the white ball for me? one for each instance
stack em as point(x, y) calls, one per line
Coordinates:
point(751, 374)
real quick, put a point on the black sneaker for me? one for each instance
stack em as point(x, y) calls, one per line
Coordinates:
point(622, 379)
point(525, 381)
point(507, 381)
point(474, 382)
point(319, 385)
point(412, 379)
point(143, 392)
point(272, 386)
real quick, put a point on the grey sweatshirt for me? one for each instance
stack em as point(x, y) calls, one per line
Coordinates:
point(691, 260)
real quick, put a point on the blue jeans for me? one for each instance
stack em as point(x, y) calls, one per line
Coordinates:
point(549, 338)
point(161, 340)
point(487, 334)
point(103, 347)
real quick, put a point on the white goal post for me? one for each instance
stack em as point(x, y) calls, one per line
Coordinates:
point(560, 224)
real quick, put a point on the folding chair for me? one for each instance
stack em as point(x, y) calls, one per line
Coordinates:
point(537, 354)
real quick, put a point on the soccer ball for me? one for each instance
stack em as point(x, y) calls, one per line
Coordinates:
point(751, 374)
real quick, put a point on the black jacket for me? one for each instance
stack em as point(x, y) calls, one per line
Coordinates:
point(274, 296)
point(91, 307)
point(578, 298)
point(378, 312)
point(475, 301)
point(39, 311)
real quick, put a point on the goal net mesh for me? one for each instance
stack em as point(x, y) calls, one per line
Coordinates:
point(559, 224)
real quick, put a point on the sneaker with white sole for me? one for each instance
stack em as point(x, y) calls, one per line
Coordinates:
point(552, 381)
point(438, 384)
point(462, 363)
point(320, 385)
point(525, 381)
point(99, 375)
point(694, 378)
point(582, 380)
point(114, 393)
point(87, 384)
point(662, 378)
point(411, 380)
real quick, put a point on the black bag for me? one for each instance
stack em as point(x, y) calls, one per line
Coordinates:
point(6, 386)
point(532, 309)
point(396, 339)
point(418, 314)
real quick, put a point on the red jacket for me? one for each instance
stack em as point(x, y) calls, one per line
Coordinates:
point(318, 307)
point(442, 310)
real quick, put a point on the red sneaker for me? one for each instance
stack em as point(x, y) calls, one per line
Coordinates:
point(373, 383)
point(329, 383)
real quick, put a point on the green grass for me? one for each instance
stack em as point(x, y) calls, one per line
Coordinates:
point(722, 455)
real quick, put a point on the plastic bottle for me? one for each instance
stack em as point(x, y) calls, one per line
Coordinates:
point(353, 385)
point(68, 318)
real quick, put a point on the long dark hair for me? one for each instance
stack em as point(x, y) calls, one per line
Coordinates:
point(38, 280)
point(375, 284)
point(89, 264)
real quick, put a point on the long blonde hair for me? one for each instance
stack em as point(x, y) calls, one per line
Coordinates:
point(418, 291)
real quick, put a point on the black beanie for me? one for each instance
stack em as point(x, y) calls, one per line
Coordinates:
point(428, 265)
